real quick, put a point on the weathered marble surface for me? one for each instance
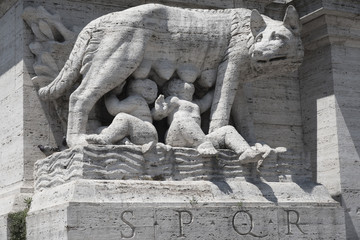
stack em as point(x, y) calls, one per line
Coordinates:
point(153, 210)
point(164, 43)
point(274, 108)
point(30, 122)
point(128, 162)
point(163, 46)
point(132, 116)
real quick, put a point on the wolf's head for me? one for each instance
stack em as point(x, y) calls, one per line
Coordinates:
point(276, 46)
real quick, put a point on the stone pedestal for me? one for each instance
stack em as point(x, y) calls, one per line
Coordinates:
point(155, 210)
point(78, 196)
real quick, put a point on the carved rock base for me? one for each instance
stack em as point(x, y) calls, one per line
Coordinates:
point(163, 210)
point(113, 162)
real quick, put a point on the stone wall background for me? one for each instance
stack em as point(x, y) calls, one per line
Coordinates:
point(330, 94)
point(11, 99)
point(10, 107)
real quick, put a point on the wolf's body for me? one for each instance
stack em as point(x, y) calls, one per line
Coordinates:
point(208, 46)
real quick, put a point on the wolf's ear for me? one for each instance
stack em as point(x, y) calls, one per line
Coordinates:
point(291, 20)
point(257, 23)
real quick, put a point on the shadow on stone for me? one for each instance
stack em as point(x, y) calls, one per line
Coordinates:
point(223, 186)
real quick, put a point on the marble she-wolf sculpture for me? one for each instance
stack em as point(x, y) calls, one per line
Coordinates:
point(213, 47)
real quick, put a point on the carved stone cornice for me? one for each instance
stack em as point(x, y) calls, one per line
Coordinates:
point(329, 22)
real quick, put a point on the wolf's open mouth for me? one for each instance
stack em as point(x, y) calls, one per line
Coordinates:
point(261, 61)
point(277, 59)
point(272, 59)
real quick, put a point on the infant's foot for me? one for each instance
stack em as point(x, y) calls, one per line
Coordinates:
point(207, 149)
point(96, 139)
point(126, 141)
point(148, 147)
point(257, 153)
point(251, 155)
point(161, 146)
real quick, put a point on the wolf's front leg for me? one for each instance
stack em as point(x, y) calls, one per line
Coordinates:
point(227, 82)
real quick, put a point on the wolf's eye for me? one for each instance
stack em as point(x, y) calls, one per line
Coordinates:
point(275, 36)
point(258, 38)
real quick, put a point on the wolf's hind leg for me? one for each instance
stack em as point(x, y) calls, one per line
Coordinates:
point(107, 72)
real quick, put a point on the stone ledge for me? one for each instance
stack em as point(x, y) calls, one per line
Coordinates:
point(174, 192)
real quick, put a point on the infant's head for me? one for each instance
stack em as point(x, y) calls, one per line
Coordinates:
point(179, 88)
point(145, 88)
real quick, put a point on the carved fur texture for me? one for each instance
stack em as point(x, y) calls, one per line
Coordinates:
point(209, 47)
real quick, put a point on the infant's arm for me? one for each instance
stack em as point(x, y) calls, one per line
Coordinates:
point(128, 105)
point(205, 102)
point(163, 107)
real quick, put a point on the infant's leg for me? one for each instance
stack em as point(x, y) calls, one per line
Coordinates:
point(118, 129)
point(187, 133)
point(142, 132)
point(228, 137)
point(125, 125)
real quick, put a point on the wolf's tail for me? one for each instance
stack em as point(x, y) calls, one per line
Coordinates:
point(70, 73)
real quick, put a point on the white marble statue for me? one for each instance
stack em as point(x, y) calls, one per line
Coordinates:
point(218, 48)
point(132, 116)
point(184, 117)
